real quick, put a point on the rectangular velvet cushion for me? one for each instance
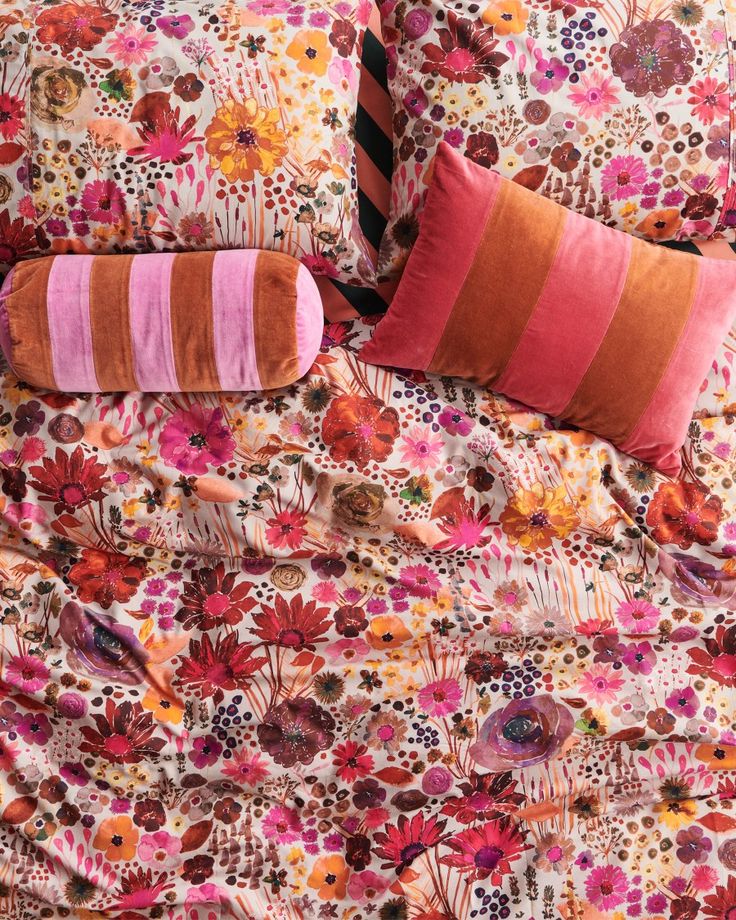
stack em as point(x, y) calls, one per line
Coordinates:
point(511, 290)
point(203, 321)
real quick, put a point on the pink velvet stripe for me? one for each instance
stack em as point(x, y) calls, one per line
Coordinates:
point(67, 305)
point(232, 309)
point(668, 413)
point(402, 343)
point(150, 322)
point(570, 320)
point(309, 320)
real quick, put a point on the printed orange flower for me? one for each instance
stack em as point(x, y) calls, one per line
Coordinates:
point(161, 700)
point(509, 17)
point(311, 51)
point(74, 26)
point(387, 631)
point(717, 756)
point(329, 876)
point(244, 138)
point(360, 429)
point(117, 837)
point(684, 513)
point(106, 578)
point(534, 517)
point(660, 225)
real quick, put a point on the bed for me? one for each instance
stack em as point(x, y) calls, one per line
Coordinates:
point(274, 654)
point(243, 671)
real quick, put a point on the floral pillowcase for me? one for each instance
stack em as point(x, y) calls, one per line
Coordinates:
point(617, 111)
point(183, 125)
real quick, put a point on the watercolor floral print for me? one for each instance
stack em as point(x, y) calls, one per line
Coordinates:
point(618, 110)
point(367, 647)
point(137, 127)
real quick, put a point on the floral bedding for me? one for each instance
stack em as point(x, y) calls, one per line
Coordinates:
point(374, 646)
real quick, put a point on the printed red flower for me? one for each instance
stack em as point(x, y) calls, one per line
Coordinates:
point(71, 482)
point(16, 238)
point(212, 669)
point(684, 513)
point(487, 852)
point(295, 731)
point(402, 842)
point(286, 529)
point(360, 429)
point(465, 53)
point(718, 659)
point(74, 26)
point(722, 904)
point(123, 735)
point(212, 598)
point(352, 761)
point(107, 578)
point(12, 113)
point(291, 624)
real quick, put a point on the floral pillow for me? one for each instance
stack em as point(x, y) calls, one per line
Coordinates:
point(184, 125)
point(617, 111)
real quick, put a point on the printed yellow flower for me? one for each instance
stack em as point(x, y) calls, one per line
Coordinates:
point(311, 51)
point(536, 516)
point(676, 813)
point(244, 139)
point(509, 17)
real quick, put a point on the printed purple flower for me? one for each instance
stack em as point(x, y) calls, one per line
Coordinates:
point(652, 56)
point(99, 646)
point(526, 732)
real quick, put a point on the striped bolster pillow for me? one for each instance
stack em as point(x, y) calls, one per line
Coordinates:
point(511, 290)
point(194, 321)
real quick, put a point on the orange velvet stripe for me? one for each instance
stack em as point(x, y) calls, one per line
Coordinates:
point(509, 270)
point(29, 326)
point(274, 307)
point(663, 288)
point(192, 324)
point(109, 321)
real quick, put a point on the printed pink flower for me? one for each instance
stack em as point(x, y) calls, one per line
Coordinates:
point(281, 824)
point(638, 616)
point(441, 697)
point(103, 201)
point(683, 702)
point(27, 672)
point(549, 74)
point(709, 99)
point(367, 886)
point(160, 848)
point(194, 440)
point(420, 580)
point(421, 448)
point(246, 768)
point(600, 683)
point(131, 45)
point(606, 886)
point(623, 177)
point(595, 95)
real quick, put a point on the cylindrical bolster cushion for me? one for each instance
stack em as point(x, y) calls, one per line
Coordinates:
point(241, 319)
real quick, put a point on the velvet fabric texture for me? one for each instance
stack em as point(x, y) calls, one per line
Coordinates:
point(573, 318)
point(122, 322)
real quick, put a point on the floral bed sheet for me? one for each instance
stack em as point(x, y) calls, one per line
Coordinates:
point(370, 647)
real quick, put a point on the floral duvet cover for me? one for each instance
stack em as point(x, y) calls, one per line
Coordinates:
point(369, 647)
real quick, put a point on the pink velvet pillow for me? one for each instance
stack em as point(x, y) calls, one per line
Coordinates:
point(511, 290)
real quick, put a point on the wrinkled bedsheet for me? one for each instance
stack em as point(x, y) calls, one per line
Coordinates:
point(369, 647)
